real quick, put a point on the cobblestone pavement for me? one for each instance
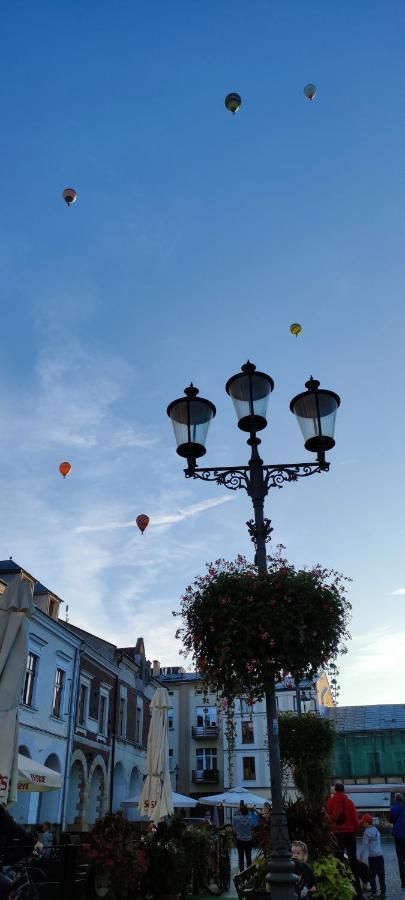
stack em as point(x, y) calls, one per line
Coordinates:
point(394, 891)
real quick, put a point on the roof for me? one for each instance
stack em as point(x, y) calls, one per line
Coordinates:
point(8, 565)
point(381, 717)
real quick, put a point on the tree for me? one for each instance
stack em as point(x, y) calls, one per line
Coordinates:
point(306, 744)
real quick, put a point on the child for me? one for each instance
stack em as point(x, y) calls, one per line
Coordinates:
point(307, 884)
point(372, 854)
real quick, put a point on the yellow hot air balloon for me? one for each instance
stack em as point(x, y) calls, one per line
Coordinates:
point(296, 328)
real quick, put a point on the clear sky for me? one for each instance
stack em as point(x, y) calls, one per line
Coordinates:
point(196, 240)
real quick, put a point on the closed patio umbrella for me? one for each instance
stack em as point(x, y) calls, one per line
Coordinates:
point(156, 798)
point(16, 608)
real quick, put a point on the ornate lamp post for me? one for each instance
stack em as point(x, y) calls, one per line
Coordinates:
point(315, 410)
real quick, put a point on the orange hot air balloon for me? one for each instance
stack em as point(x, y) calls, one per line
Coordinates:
point(142, 522)
point(65, 468)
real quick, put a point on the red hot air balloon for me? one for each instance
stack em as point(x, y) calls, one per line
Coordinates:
point(142, 522)
point(65, 468)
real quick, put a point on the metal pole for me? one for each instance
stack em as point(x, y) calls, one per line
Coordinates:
point(281, 875)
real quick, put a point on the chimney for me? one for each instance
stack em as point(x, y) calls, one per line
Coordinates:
point(156, 668)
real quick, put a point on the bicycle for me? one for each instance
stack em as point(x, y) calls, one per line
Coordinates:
point(218, 878)
point(27, 881)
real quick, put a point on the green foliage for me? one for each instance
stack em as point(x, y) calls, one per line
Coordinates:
point(306, 744)
point(334, 880)
point(243, 628)
point(198, 843)
point(167, 869)
point(308, 823)
point(115, 844)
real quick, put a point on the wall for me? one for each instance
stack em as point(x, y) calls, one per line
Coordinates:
point(43, 736)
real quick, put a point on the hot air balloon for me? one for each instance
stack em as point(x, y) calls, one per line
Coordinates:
point(233, 102)
point(296, 328)
point(70, 196)
point(65, 468)
point(142, 522)
point(310, 91)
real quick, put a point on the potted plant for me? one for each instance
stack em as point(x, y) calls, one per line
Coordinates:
point(167, 871)
point(117, 857)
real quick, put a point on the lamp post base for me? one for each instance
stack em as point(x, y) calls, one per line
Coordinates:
point(281, 875)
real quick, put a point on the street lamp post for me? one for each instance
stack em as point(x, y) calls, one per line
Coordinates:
point(315, 411)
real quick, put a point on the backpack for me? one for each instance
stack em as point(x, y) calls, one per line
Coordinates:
point(341, 818)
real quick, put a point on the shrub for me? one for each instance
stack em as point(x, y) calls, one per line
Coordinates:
point(308, 823)
point(334, 880)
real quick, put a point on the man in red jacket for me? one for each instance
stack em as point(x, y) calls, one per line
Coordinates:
point(344, 823)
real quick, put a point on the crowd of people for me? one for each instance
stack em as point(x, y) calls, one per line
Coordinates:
point(365, 857)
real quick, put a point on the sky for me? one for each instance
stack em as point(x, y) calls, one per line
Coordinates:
point(197, 238)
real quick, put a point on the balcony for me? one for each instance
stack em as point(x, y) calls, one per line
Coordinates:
point(200, 732)
point(205, 776)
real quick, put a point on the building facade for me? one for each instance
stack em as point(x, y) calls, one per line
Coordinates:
point(370, 751)
point(84, 713)
point(214, 746)
point(111, 722)
point(47, 700)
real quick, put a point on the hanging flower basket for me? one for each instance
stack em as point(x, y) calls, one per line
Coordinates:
point(242, 628)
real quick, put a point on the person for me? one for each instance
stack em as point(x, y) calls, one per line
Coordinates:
point(46, 840)
point(397, 817)
point(371, 853)
point(5, 886)
point(307, 884)
point(345, 823)
point(242, 826)
point(10, 831)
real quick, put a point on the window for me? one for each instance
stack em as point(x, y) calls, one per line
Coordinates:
point(247, 733)
point(82, 704)
point(122, 718)
point(30, 678)
point(170, 693)
point(206, 715)
point(246, 708)
point(58, 693)
point(170, 719)
point(102, 715)
point(249, 768)
point(139, 722)
point(206, 759)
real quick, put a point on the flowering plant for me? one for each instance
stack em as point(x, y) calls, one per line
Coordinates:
point(243, 628)
point(115, 846)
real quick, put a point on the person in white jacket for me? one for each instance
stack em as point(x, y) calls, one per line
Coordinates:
point(372, 854)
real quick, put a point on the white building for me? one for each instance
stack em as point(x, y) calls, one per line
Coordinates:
point(47, 699)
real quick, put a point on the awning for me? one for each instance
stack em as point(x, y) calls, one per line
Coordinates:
point(179, 801)
point(233, 798)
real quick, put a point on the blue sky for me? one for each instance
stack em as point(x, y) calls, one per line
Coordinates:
point(196, 240)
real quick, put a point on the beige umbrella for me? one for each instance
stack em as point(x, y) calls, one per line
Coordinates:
point(156, 798)
point(16, 608)
point(32, 776)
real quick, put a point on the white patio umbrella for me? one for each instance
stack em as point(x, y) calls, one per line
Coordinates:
point(16, 608)
point(178, 800)
point(32, 776)
point(156, 798)
point(233, 796)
